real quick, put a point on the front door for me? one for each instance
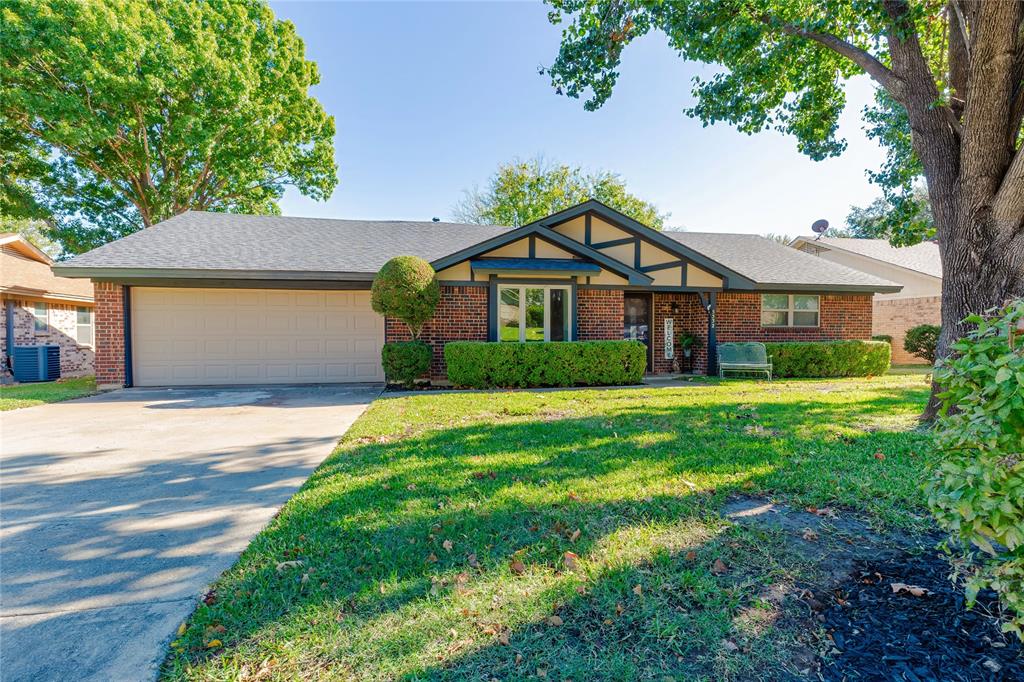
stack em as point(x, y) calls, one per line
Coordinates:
point(636, 323)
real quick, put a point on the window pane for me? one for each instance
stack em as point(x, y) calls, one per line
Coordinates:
point(534, 314)
point(508, 315)
point(558, 304)
point(775, 302)
point(84, 315)
point(39, 312)
point(771, 318)
point(805, 302)
point(805, 319)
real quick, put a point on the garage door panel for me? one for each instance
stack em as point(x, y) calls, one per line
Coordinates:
point(226, 336)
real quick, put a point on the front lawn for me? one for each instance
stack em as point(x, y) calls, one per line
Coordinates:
point(27, 395)
point(566, 535)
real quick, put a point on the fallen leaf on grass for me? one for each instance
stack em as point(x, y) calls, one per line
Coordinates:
point(809, 535)
point(519, 659)
point(879, 456)
point(214, 643)
point(823, 511)
point(574, 497)
point(517, 567)
point(554, 621)
point(619, 609)
point(719, 567)
point(285, 565)
point(638, 590)
point(431, 558)
point(503, 639)
point(691, 555)
point(571, 561)
point(575, 535)
point(181, 629)
point(448, 544)
point(729, 645)
point(912, 589)
point(472, 561)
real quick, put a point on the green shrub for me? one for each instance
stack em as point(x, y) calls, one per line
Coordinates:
point(921, 340)
point(406, 288)
point(478, 364)
point(882, 337)
point(829, 358)
point(977, 492)
point(405, 361)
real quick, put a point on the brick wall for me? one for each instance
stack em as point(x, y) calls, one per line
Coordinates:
point(842, 316)
point(62, 330)
point(689, 317)
point(599, 314)
point(896, 315)
point(109, 319)
point(461, 316)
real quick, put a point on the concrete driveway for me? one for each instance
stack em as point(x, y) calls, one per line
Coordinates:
point(117, 511)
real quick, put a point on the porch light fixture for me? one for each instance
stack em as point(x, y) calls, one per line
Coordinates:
point(675, 307)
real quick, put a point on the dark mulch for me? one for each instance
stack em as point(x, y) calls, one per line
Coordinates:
point(880, 634)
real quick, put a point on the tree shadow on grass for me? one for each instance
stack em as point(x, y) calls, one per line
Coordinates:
point(410, 543)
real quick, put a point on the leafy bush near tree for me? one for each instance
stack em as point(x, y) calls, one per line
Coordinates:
point(478, 364)
point(977, 492)
point(921, 340)
point(406, 289)
point(405, 361)
point(829, 358)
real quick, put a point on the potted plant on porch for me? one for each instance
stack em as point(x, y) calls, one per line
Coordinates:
point(687, 343)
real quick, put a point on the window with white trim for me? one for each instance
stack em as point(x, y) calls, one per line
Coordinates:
point(534, 313)
point(789, 310)
point(83, 326)
point(41, 315)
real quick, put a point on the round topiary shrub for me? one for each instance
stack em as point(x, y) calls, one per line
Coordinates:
point(921, 340)
point(405, 361)
point(406, 288)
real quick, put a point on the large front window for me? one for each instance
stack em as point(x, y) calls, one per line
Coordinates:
point(533, 313)
point(789, 310)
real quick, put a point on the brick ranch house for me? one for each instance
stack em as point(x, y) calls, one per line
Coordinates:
point(40, 309)
point(213, 298)
point(917, 268)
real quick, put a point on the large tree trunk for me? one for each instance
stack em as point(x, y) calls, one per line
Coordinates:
point(982, 267)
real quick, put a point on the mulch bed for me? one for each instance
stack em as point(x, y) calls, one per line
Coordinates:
point(881, 634)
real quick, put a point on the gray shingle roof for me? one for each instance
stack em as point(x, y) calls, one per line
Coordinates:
point(768, 262)
point(223, 241)
point(923, 257)
point(230, 244)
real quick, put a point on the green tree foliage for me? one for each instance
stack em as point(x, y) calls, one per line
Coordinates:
point(117, 114)
point(36, 232)
point(521, 192)
point(406, 288)
point(978, 491)
point(883, 219)
point(920, 341)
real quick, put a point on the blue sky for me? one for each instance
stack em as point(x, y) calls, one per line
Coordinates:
point(429, 98)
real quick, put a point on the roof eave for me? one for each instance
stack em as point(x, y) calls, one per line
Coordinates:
point(87, 272)
point(829, 288)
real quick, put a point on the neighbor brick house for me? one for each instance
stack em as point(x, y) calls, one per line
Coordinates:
point(917, 268)
point(41, 309)
point(214, 298)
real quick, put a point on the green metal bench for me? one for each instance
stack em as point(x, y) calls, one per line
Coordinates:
point(743, 357)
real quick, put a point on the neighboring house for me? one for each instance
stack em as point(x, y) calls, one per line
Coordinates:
point(918, 268)
point(215, 298)
point(43, 309)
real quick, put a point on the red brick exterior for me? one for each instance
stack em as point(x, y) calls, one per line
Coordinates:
point(461, 316)
point(895, 316)
point(109, 317)
point(76, 359)
point(738, 318)
point(599, 314)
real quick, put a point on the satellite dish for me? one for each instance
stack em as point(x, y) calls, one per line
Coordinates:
point(819, 227)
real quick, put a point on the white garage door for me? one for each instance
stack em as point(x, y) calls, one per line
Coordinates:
point(183, 337)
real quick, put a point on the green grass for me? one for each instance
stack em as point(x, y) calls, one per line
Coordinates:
point(438, 530)
point(27, 395)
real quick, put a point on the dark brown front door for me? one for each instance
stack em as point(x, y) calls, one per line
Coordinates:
point(636, 322)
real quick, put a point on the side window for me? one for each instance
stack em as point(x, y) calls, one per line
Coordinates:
point(84, 326)
point(41, 313)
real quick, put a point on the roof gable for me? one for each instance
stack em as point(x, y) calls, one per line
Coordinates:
point(923, 257)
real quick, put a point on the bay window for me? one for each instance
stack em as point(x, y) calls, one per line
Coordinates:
point(534, 313)
point(789, 310)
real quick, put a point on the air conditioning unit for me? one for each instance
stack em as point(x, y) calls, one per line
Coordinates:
point(36, 363)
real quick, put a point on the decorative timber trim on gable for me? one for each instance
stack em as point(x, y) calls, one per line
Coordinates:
point(536, 231)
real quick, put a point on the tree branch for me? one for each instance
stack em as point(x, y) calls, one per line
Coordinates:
point(1008, 205)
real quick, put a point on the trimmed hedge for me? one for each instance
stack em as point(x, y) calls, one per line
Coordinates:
point(480, 364)
point(829, 358)
point(882, 337)
point(405, 361)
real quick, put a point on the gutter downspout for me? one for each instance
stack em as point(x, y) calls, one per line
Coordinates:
point(8, 367)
